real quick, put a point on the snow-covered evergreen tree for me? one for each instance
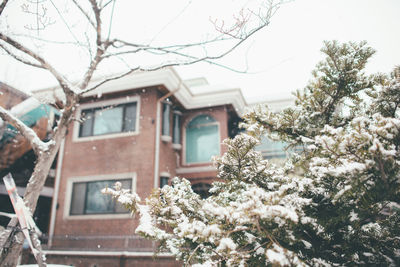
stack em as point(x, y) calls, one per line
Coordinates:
point(336, 203)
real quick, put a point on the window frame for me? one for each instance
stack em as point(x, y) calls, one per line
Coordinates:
point(187, 122)
point(99, 105)
point(95, 178)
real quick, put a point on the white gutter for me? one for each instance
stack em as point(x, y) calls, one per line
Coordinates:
point(56, 190)
point(157, 147)
point(158, 133)
point(106, 253)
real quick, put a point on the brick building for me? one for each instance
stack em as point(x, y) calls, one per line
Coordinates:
point(141, 130)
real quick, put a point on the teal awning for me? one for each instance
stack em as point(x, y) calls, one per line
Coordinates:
point(30, 119)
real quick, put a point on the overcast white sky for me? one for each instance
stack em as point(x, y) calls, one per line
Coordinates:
point(285, 53)
point(280, 57)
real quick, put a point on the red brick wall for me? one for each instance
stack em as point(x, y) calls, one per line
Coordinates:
point(125, 155)
point(110, 156)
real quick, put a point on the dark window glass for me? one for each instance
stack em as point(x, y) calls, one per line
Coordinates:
point(88, 199)
point(108, 120)
point(86, 126)
point(163, 181)
point(130, 118)
point(177, 128)
point(166, 119)
point(78, 198)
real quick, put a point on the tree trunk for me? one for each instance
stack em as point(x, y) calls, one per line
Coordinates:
point(9, 257)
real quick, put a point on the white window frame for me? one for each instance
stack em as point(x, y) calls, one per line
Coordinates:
point(184, 139)
point(93, 178)
point(115, 101)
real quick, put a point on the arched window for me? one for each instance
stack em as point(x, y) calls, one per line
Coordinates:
point(202, 139)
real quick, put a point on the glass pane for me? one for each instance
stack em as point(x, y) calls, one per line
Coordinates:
point(78, 198)
point(163, 181)
point(86, 125)
point(202, 143)
point(126, 184)
point(166, 119)
point(130, 118)
point(96, 202)
point(177, 129)
point(108, 121)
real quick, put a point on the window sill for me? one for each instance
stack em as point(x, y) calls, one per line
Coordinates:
point(177, 146)
point(166, 138)
point(104, 136)
point(99, 216)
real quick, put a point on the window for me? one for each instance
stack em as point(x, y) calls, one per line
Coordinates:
point(108, 119)
point(166, 119)
point(86, 197)
point(163, 181)
point(202, 139)
point(176, 131)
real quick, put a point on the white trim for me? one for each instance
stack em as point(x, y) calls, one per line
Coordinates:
point(177, 146)
point(177, 112)
point(157, 146)
point(106, 253)
point(183, 170)
point(171, 80)
point(165, 174)
point(166, 138)
point(115, 101)
point(68, 195)
point(216, 122)
point(56, 191)
point(46, 192)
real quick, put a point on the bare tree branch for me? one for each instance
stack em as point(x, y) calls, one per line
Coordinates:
point(49, 40)
point(110, 79)
point(20, 59)
point(106, 4)
point(2, 6)
point(101, 47)
point(61, 80)
point(37, 144)
point(85, 14)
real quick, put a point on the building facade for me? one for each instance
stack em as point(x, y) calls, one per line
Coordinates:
point(141, 130)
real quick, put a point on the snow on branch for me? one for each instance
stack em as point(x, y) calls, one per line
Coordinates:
point(3, 5)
